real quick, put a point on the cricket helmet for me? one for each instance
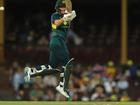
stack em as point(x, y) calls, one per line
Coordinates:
point(60, 3)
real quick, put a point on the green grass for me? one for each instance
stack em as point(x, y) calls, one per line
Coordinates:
point(65, 103)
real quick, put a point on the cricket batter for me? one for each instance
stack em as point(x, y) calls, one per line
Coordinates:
point(59, 54)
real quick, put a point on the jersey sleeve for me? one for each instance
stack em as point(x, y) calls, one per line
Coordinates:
point(54, 17)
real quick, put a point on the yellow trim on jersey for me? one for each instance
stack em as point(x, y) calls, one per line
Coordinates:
point(54, 26)
point(65, 23)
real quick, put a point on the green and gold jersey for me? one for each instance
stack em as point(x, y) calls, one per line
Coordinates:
point(60, 30)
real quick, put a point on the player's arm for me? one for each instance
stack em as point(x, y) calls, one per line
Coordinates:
point(66, 17)
point(58, 22)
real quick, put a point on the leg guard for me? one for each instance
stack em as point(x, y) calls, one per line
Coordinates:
point(67, 71)
point(43, 70)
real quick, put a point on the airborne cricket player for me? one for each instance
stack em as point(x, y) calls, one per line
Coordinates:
point(59, 54)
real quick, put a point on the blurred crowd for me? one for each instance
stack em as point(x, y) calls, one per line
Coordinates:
point(97, 82)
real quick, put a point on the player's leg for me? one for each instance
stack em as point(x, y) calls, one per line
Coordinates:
point(38, 71)
point(57, 49)
point(67, 72)
point(43, 69)
point(64, 78)
point(51, 68)
point(66, 66)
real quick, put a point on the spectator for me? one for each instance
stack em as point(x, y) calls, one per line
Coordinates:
point(125, 97)
point(110, 69)
point(43, 41)
point(123, 84)
point(50, 81)
point(133, 72)
point(99, 93)
point(17, 79)
point(115, 96)
point(109, 84)
point(36, 93)
point(49, 95)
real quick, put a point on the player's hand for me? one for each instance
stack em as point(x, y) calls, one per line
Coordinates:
point(73, 15)
point(67, 17)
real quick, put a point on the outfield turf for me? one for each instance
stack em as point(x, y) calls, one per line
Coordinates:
point(65, 103)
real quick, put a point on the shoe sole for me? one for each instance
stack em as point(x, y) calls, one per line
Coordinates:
point(62, 93)
point(27, 75)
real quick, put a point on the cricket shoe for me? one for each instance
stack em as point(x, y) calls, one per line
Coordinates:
point(61, 90)
point(27, 72)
